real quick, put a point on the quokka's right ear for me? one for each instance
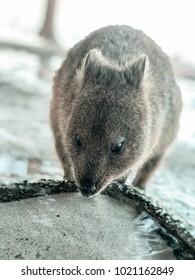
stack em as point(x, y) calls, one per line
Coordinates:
point(90, 70)
point(93, 57)
point(92, 64)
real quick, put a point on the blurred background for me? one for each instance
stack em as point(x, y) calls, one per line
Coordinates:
point(34, 39)
point(63, 22)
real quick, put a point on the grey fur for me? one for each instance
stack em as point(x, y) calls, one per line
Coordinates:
point(115, 85)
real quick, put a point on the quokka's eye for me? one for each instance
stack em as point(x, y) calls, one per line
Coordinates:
point(118, 148)
point(78, 141)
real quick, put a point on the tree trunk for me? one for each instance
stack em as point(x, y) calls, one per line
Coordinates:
point(47, 28)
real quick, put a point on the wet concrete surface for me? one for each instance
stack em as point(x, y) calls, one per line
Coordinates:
point(27, 153)
point(68, 226)
point(153, 218)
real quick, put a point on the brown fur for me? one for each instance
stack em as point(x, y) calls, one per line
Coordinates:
point(115, 86)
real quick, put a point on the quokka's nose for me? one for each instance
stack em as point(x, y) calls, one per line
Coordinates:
point(87, 187)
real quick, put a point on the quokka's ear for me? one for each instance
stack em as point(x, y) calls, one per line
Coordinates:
point(91, 67)
point(93, 64)
point(94, 56)
point(134, 73)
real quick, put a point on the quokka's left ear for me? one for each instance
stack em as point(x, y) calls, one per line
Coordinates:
point(134, 73)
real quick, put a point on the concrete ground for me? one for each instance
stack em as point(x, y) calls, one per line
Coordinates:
point(68, 226)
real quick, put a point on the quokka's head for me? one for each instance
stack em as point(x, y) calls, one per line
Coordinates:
point(108, 130)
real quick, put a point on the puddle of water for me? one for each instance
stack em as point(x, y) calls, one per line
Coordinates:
point(9, 165)
point(146, 242)
point(20, 167)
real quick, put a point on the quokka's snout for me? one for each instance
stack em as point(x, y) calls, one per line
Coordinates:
point(88, 187)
